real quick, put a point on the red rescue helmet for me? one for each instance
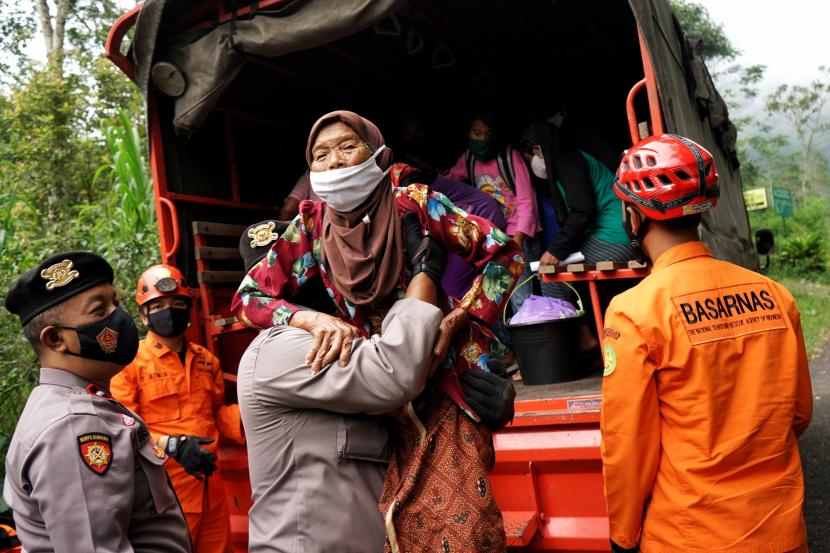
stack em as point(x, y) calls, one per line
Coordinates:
point(159, 281)
point(668, 176)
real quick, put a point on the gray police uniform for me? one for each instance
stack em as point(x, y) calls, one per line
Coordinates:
point(318, 444)
point(83, 475)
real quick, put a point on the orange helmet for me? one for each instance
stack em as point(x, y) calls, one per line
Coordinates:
point(159, 281)
point(9, 542)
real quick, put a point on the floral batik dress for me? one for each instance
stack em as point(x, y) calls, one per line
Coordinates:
point(438, 448)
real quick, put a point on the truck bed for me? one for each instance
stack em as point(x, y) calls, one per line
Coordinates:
point(591, 384)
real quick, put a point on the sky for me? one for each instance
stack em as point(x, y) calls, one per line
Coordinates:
point(791, 38)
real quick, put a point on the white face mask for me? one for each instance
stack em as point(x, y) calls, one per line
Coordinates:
point(537, 165)
point(345, 189)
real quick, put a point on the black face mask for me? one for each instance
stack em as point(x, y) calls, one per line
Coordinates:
point(113, 339)
point(169, 322)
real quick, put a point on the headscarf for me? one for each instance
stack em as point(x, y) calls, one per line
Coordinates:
point(549, 138)
point(363, 248)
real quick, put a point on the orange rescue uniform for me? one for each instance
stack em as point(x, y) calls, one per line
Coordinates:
point(174, 399)
point(705, 393)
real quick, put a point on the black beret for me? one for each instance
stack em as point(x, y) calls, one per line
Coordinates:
point(257, 239)
point(55, 280)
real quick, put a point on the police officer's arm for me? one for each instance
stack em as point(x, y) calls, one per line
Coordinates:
point(82, 509)
point(383, 373)
point(227, 417)
point(630, 426)
point(804, 397)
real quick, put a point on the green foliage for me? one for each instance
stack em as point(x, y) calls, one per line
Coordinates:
point(805, 254)
point(696, 22)
point(127, 173)
point(803, 109)
point(119, 225)
point(812, 297)
point(801, 240)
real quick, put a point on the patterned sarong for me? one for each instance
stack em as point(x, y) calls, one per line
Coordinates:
point(437, 495)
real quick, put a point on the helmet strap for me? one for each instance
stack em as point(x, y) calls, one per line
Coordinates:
point(636, 242)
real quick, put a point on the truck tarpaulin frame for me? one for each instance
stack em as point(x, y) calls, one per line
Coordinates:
point(210, 59)
point(726, 228)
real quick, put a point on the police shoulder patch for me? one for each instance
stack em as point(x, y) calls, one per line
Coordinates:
point(96, 451)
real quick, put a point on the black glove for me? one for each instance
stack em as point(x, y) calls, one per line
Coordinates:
point(619, 549)
point(187, 451)
point(424, 254)
point(490, 396)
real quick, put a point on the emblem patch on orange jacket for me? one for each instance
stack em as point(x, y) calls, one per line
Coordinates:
point(96, 451)
point(725, 313)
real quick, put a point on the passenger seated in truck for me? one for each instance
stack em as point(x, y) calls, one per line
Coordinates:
point(500, 171)
point(459, 275)
point(589, 214)
point(354, 243)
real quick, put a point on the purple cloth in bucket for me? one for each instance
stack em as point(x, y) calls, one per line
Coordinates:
point(540, 309)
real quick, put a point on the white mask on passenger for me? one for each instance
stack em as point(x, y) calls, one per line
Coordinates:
point(346, 188)
point(537, 165)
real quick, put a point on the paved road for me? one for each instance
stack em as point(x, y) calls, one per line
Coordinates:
point(815, 456)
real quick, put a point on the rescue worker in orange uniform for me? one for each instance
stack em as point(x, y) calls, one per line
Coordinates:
point(177, 387)
point(706, 387)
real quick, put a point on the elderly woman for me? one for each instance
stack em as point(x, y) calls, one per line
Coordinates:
point(353, 243)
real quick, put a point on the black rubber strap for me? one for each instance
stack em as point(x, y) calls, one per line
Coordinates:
point(662, 207)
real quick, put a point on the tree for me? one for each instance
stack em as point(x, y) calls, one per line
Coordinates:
point(77, 25)
point(738, 84)
point(803, 109)
point(696, 22)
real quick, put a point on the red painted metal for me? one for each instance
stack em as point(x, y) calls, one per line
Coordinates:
point(548, 465)
point(168, 228)
point(169, 255)
point(651, 88)
point(649, 82)
point(116, 36)
point(633, 130)
point(207, 200)
point(592, 277)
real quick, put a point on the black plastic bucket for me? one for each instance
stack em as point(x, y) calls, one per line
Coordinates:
point(547, 352)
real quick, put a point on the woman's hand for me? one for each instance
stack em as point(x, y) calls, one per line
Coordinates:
point(548, 259)
point(451, 324)
point(519, 238)
point(333, 338)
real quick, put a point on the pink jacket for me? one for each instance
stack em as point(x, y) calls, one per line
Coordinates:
point(519, 208)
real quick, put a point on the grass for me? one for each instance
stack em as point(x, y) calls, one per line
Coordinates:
point(813, 298)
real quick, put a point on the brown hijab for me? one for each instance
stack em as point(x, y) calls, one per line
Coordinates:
point(362, 249)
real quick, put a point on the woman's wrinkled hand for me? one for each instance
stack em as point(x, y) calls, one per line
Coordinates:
point(548, 259)
point(333, 338)
point(451, 324)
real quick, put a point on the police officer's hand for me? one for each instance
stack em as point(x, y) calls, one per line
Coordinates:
point(333, 338)
point(424, 254)
point(187, 450)
point(490, 396)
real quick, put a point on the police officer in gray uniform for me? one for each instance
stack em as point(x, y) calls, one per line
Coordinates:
point(82, 472)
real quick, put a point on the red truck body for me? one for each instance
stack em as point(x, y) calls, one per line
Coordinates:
point(548, 474)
